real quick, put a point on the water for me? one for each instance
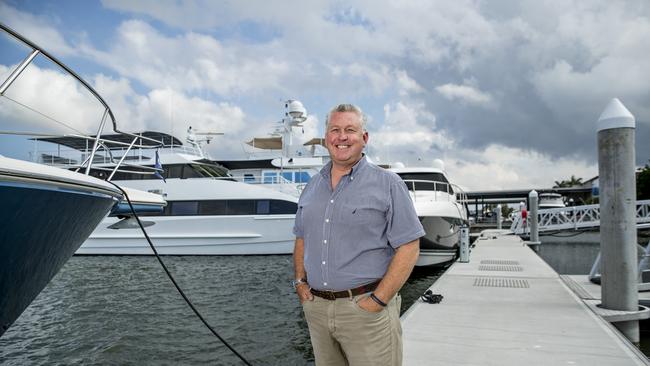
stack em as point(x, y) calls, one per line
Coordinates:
point(124, 311)
point(577, 258)
point(570, 258)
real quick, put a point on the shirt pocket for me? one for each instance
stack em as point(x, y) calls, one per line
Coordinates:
point(360, 211)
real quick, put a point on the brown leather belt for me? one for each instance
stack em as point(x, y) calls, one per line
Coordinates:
point(333, 295)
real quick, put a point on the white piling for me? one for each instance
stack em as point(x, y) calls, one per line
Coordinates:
point(532, 217)
point(498, 214)
point(616, 165)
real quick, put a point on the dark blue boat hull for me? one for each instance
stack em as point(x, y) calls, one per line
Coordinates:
point(41, 226)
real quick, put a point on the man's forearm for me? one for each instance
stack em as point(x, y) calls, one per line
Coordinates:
point(299, 259)
point(399, 270)
point(302, 290)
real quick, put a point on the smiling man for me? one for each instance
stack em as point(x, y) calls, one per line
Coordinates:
point(357, 240)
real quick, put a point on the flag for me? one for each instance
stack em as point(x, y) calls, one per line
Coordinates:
point(157, 165)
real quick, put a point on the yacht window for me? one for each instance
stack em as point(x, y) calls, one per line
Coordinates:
point(215, 171)
point(241, 207)
point(249, 178)
point(173, 171)
point(288, 176)
point(270, 177)
point(182, 208)
point(302, 177)
point(263, 207)
point(213, 207)
point(427, 182)
point(193, 171)
point(283, 207)
point(227, 207)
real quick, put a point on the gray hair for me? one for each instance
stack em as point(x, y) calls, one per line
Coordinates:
point(348, 108)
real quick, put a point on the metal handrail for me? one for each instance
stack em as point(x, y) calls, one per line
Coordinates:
point(36, 50)
point(575, 217)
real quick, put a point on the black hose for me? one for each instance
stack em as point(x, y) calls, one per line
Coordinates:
point(171, 278)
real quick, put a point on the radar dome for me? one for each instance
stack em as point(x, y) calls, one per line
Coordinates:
point(439, 164)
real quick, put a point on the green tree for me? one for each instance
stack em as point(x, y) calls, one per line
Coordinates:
point(506, 210)
point(571, 182)
point(643, 184)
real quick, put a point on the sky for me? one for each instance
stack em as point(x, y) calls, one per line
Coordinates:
point(506, 93)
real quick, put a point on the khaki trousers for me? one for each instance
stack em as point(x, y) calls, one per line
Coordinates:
point(342, 333)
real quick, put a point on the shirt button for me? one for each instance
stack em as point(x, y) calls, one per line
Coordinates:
point(325, 241)
point(331, 201)
point(324, 283)
point(351, 178)
point(327, 220)
point(323, 262)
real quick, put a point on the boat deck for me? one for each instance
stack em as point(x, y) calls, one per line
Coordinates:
point(508, 307)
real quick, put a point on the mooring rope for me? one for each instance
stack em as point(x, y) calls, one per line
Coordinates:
point(171, 278)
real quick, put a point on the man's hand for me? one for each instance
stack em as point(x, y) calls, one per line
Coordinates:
point(303, 292)
point(370, 305)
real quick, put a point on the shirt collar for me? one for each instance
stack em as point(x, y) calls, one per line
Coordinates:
point(327, 169)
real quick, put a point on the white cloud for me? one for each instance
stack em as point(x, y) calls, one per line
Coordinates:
point(406, 84)
point(36, 29)
point(500, 167)
point(187, 62)
point(55, 103)
point(465, 93)
point(408, 134)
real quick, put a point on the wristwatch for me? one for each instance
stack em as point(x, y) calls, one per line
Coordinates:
point(298, 281)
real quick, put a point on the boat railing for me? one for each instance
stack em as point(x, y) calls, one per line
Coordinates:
point(259, 179)
point(182, 149)
point(97, 141)
point(461, 195)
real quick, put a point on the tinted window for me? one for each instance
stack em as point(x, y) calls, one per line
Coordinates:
point(173, 171)
point(249, 178)
point(192, 171)
point(213, 207)
point(228, 207)
point(241, 207)
point(283, 207)
point(425, 182)
point(263, 207)
point(181, 208)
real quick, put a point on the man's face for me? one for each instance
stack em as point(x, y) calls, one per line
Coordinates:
point(345, 139)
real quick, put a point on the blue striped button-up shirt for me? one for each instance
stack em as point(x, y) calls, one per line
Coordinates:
point(351, 232)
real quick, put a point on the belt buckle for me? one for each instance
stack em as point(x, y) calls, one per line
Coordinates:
point(329, 295)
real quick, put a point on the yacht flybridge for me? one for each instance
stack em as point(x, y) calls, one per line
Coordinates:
point(278, 161)
point(208, 212)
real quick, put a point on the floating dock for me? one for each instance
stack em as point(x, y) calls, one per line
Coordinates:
point(508, 307)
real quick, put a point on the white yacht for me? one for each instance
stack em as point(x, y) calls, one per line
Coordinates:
point(440, 207)
point(207, 212)
point(550, 200)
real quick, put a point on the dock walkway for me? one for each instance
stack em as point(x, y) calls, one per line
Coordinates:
point(508, 307)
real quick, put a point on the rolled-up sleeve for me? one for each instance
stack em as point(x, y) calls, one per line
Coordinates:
point(403, 223)
point(297, 226)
